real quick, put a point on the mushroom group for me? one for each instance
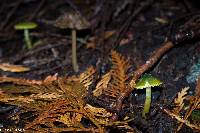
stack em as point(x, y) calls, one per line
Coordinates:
point(147, 81)
point(73, 21)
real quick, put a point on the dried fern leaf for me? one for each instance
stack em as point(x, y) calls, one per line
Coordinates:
point(87, 77)
point(50, 109)
point(186, 122)
point(71, 120)
point(118, 75)
point(48, 96)
point(72, 115)
point(21, 99)
point(74, 92)
point(101, 114)
point(179, 101)
point(49, 79)
point(193, 105)
point(102, 84)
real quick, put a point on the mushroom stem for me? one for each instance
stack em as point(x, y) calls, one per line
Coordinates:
point(27, 39)
point(147, 103)
point(74, 56)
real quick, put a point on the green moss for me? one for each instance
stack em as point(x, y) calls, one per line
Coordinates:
point(195, 116)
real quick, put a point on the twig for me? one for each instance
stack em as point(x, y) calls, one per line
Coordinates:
point(188, 6)
point(189, 111)
point(37, 50)
point(72, 5)
point(151, 61)
point(197, 89)
point(10, 14)
point(37, 10)
point(181, 120)
point(125, 26)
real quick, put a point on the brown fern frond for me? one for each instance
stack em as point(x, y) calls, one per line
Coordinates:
point(102, 84)
point(87, 77)
point(192, 107)
point(179, 101)
point(118, 74)
point(186, 122)
point(101, 114)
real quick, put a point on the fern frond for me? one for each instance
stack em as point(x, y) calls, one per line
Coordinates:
point(87, 77)
point(102, 84)
point(179, 101)
point(118, 74)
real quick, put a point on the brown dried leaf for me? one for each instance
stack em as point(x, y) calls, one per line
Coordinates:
point(102, 84)
point(71, 120)
point(101, 114)
point(49, 79)
point(13, 68)
point(197, 89)
point(1, 92)
point(45, 96)
point(97, 111)
point(127, 39)
point(6, 98)
point(87, 77)
point(179, 101)
point(161, 20)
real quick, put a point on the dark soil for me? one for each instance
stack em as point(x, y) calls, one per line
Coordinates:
point(145, 34)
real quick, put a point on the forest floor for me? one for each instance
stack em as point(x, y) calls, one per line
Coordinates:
point(121, 39)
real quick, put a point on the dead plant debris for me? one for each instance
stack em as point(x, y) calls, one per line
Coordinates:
point(119, 42)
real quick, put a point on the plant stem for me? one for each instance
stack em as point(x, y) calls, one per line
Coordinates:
point(27, 39)
point(147, 103)
point(74, 56)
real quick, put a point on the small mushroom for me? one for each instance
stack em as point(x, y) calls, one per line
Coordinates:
point(147, 81)
point(73, 21)
point(26, 26)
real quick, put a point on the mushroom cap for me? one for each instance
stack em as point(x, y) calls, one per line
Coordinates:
point(25, 25)
point(147, 80)
point(72, 20)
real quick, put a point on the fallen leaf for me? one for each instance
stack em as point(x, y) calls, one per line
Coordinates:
point(129, 37)
point(13, 68)
point(49, 79)
point(161, 20)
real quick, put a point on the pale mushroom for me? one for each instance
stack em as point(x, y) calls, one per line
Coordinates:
point(73, 21)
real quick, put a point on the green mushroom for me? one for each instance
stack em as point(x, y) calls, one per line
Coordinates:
point(26, 26)
point(147, 81)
